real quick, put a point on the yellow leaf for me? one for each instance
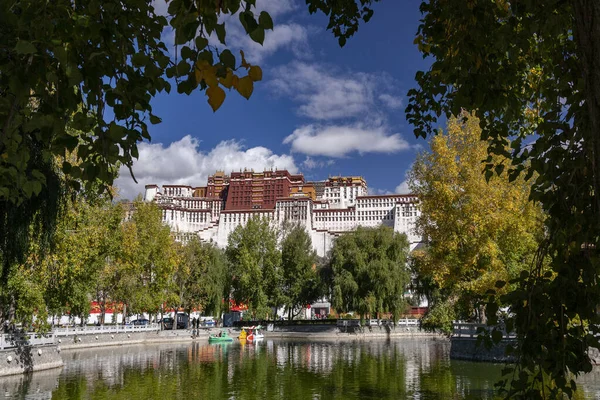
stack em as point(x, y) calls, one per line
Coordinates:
point(216, 96)
point(199, 75)
point(245, 87)
point(228, 80)
point(235, 80)
point(210, 77)
point(255, 73)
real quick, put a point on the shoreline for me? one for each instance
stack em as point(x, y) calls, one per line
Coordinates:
point(26, 359)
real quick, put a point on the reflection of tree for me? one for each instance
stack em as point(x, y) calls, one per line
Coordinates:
point(281, 370)
point(438, 379)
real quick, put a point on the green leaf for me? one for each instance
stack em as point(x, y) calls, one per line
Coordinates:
point(139, 59)
point(499, 168)
point(248, 22)
point(154, 119)
point(227, 58)
point(220, 30)
point(496, 336)
point(265, 21)
point(258, 35)
point(25, 47)
point(187, 53)
point(207, 56)
point(201, 43)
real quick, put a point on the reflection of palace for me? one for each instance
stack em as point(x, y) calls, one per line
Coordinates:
point(321, 357)
point(325, 208)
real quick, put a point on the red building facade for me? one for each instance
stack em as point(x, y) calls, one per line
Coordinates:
point(251, 190)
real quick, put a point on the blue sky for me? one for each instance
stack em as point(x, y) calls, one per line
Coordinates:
point(320, 109)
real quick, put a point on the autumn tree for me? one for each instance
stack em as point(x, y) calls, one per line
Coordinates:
point(478, 231)
point(254, 262)
point(530, 72)
point(146, 261)
point(370, 271)
point(300, 284)
point(87, 235)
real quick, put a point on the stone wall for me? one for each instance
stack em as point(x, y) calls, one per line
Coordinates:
point(124, 339)
point(467, 349)
point(328, 331)
point(25, 359)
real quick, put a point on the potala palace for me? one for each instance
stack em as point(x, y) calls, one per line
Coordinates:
point(326, 209)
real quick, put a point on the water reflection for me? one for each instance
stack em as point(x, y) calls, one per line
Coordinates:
point(398, 369)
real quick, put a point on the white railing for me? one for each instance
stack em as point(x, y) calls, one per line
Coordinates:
point(472, 330)
point(9, 340)
point(408, 322)
point(94, 330)
point(404, 322)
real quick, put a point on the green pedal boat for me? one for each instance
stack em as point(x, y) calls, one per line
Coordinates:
point(223, 337)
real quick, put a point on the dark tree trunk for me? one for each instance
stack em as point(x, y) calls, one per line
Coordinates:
point(587, 37)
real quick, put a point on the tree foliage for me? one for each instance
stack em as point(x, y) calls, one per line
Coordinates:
point(299, 275)
point(199, 279)
point(147, 260)
point(530, 72)
point(254, 261)
point(78, 78)
point(370, 272)
point(478, 231)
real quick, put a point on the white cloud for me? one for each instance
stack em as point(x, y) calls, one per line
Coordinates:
point(325, 93)
point(311, 163)
point(184, 163)
point(339, 141)
point(276, 8)
point(375, 191)
point(390, 101)
point(160, 7)
point(402, 188)
point(289, 36)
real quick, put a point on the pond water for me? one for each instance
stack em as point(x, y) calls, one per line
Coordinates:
point(272, 369)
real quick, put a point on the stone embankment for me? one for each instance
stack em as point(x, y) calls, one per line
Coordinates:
point(25, 359)
point(76, 341)
point(469, 349)
point(333, 332)
point(18, 356)
point(464, 344)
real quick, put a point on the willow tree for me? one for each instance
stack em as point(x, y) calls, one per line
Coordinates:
point(147, 259)
point(199, 278)
point(254, 262)
point(478, 231)
point(300, 283)
point(370, 271)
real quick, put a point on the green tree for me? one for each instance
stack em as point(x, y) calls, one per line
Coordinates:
point(300, 278)
point(73, 264)
point(530, 72)
point(199, 278)
point(254, 262)
point(79, 77)
point(370, 271)
point(147, 260)
point(478, 231)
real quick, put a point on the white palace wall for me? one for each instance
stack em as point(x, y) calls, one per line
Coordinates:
point(324, 221)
